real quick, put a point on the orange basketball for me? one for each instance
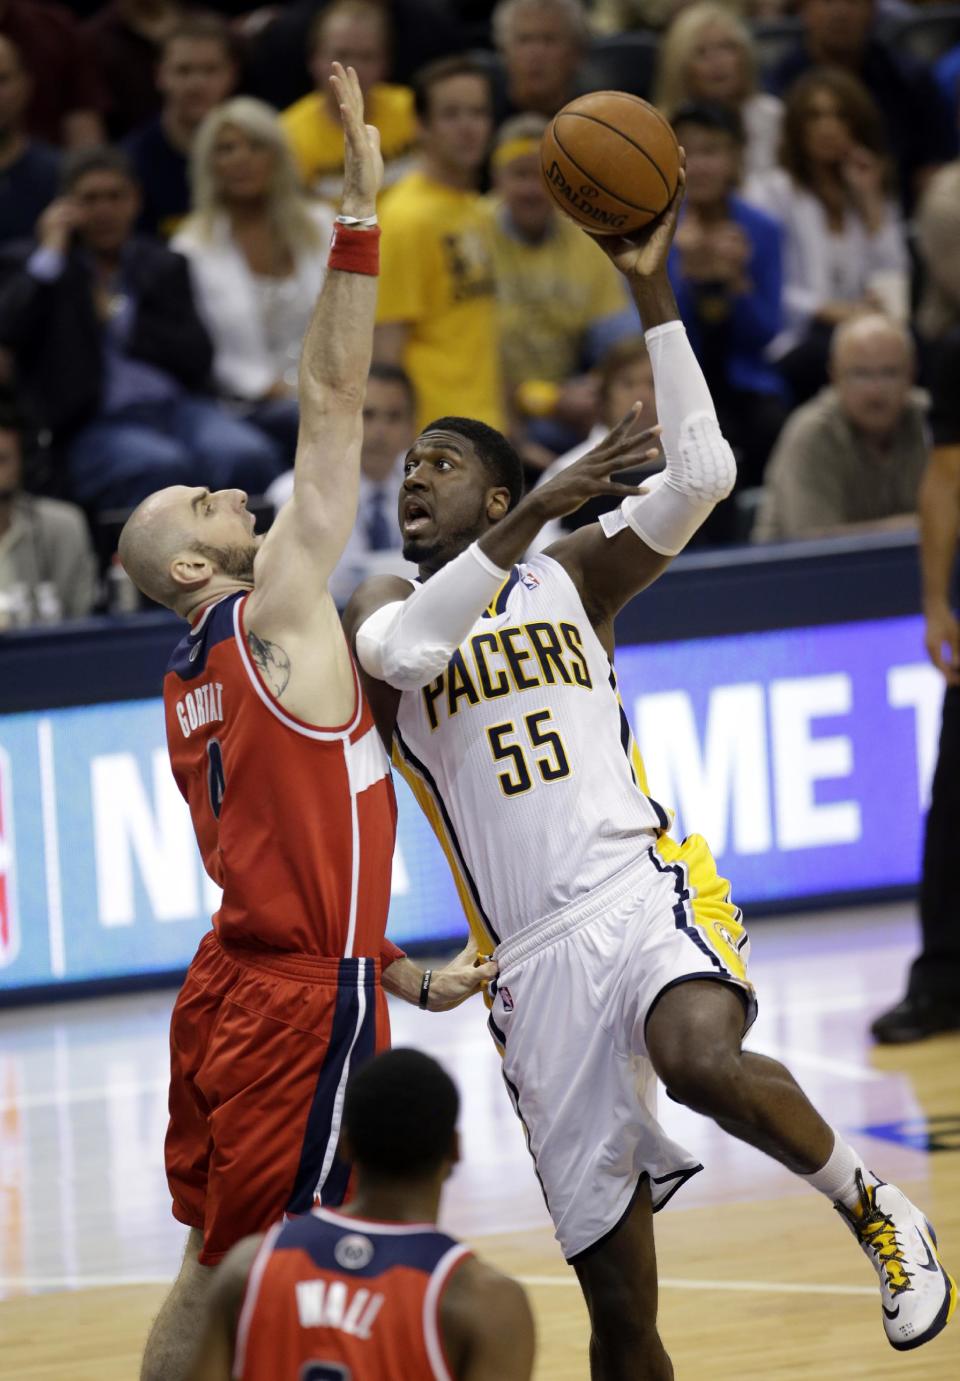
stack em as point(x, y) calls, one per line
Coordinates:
point(611, 162)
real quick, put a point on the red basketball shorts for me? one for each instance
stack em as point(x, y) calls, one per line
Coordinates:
point(261, 1045)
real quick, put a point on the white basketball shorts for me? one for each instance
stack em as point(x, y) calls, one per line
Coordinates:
point(569, 1017)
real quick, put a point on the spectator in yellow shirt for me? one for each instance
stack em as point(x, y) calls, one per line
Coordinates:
point(356, 33)
point(437, 311)
point(560, 301)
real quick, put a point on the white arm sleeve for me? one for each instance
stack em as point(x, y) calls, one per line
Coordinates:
point(700, 469)
point(409, 642)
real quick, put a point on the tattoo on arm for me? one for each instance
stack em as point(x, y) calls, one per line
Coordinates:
point(271, 661)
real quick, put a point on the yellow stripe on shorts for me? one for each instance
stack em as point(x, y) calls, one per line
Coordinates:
point(709, 908)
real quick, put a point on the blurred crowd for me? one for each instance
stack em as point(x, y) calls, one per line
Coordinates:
point(169, 172)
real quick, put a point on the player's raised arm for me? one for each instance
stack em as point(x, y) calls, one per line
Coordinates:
point(309, 535)
point(606, 561)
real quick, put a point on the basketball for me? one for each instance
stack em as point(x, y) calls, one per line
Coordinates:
point(611, 162)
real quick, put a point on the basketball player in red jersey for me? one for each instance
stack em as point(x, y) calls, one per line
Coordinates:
point(375, 1292)
point(274, 748)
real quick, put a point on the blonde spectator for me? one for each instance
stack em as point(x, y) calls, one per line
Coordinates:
point(560, 302)
point(708, 55)
point(257, 250)
point(844, 246)
point(356, 33)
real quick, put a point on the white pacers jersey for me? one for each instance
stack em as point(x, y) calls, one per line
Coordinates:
point(522, 758)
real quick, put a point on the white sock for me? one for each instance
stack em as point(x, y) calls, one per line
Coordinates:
point(838, 1178)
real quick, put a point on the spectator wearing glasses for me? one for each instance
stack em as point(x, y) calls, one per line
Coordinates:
point(852, 458)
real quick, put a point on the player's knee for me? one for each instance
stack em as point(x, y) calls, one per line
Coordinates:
point(702, 1077)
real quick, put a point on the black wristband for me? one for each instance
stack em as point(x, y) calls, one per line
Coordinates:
point(425, 989)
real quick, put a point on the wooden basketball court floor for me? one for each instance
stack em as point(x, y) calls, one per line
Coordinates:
point(759, 1278)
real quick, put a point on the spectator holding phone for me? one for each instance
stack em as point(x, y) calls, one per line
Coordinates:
point(111, 353)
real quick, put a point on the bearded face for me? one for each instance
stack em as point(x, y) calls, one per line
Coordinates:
point(235, 560)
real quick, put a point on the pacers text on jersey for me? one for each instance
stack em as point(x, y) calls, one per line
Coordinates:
point(516, 658)
point(202, 705)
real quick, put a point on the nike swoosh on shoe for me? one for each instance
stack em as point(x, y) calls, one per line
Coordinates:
point(931, 1263)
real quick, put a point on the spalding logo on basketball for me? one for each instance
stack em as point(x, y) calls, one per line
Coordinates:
point(583, 200)
point(611, 162)
point(354, 1252)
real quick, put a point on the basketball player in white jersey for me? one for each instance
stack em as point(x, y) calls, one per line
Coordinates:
point(620, 954)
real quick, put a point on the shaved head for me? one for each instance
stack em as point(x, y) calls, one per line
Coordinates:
point(183, 542)
point(860, 335)
point(871, 368)
point(150, 539)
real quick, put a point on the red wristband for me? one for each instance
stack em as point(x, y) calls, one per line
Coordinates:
point(355, 251)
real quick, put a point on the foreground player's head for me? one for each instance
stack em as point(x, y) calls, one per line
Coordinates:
point(185, 545)
point(460, 478)
point(400, 1120)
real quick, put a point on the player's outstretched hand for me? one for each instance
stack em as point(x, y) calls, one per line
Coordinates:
point(644, 253)
point(461, 978)
point(363, 161)
point(628, 445)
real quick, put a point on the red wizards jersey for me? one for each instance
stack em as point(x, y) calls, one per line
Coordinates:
point(332, 1296)
point(296, 823)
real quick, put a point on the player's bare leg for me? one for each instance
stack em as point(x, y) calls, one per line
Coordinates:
point(619, 1283)
point(693, 1038)
point(176, 1329)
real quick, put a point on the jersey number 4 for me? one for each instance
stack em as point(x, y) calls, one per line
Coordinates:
point(552, 763)
point(216, 779)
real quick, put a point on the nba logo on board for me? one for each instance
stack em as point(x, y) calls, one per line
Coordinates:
point(9, 920)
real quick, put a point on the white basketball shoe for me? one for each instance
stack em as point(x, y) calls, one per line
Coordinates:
point(917, 1295)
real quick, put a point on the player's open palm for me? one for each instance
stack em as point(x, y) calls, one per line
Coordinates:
point(629, 444)
point(363, 161)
